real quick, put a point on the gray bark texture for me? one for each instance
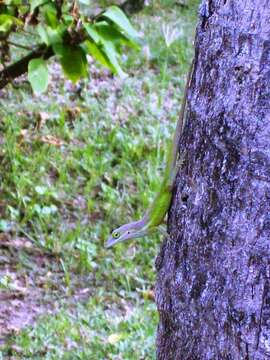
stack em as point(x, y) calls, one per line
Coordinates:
point(213, 285)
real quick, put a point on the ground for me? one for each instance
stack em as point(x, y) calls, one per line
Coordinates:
point(79, 161)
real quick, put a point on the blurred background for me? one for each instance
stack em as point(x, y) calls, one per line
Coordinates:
point(76, 162)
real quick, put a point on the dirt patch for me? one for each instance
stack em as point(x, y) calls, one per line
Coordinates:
point(32, 284)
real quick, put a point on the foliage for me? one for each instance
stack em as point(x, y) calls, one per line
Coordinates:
point(69, 32)
point(78, 161)
point(38, 74)
point(92, 333)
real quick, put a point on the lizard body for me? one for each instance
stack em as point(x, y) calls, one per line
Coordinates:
point(155, 214)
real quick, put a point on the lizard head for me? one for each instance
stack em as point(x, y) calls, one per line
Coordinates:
point(124, 232)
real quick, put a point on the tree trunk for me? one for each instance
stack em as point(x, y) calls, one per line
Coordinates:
point(213, 286)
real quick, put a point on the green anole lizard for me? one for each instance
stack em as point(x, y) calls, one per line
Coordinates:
point(155, 214)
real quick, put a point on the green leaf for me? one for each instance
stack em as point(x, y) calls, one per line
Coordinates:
point(49, 35)
point(38, 75)
point(43, 34)
point(91, 31)
point(50, 14)
point(73, 61)
point(68, 19)
point(13, 2)
point(112, 55)
point(96, 52)
point(6, 22)
point(116, 15)
point(110, 32)
point(35, 4)
point(104, 44)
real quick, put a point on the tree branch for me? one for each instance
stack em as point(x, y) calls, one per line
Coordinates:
point(20, 67)
point(18, 45)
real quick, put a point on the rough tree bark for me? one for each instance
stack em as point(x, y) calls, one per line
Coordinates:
point(213, 286)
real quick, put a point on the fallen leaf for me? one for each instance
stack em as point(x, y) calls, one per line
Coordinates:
point(41, 119)
point(149, 294)
point(52, 140)
point(26, 135)
point(114, 338)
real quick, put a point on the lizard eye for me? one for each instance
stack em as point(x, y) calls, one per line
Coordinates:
point(115, 235)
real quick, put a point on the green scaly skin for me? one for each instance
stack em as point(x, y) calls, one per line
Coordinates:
point(158, 209)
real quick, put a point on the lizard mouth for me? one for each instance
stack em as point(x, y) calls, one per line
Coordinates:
point(110, 243)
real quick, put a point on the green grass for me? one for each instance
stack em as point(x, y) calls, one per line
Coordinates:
point(92, 332)
point(107, 168)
